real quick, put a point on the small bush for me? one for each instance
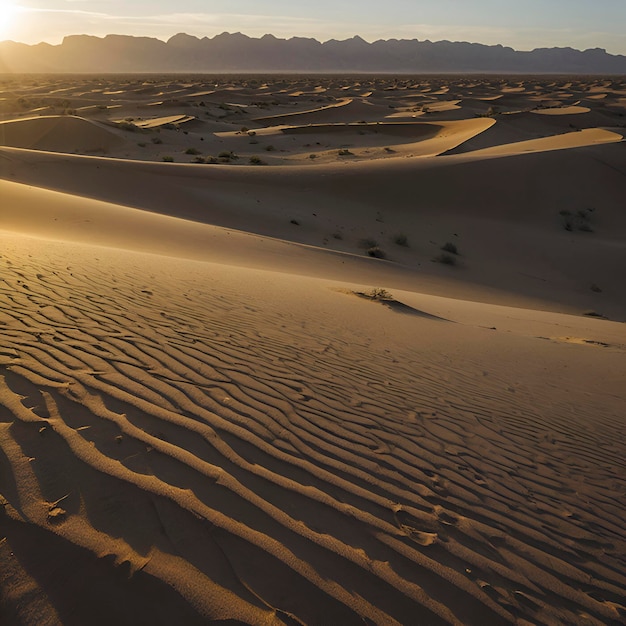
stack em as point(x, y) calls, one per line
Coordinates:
point(142, 144)
point(312, 156)
point(449, 247)
point(270, 148)
point(157, 140)
point(338, 236)
point(198, 159)
point(255, 160)
point(228, 155)
point(345, 152)
point(192, 151)
point(401, 240)
point(445, 259)
point(128, 126)
point(376, 253)
point(379, 294)
point(168, 159)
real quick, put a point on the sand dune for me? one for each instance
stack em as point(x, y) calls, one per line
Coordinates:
point(220, 405)
point(58, 134)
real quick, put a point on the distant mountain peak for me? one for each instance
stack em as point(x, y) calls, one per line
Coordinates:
point(237, 52)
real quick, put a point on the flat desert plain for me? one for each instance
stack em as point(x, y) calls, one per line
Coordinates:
point(312, 350)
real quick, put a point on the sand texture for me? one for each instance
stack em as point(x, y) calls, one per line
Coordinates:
point(383, 385)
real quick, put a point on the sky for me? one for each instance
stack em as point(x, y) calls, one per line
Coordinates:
point(521, 24)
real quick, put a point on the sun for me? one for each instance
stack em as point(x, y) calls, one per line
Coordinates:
point(9, 11)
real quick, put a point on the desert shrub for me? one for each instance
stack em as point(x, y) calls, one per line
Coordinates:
point(129, 126)
point(157, 140)
point(142, 144)
point(168, 159)
point(192, 151)
point(345, 152)
point(255, 160)
point(228, 155)
point(199, 159)
point(449, 247)
point(337, 236)
point(401, 240)
point(379, 294)
point(270, 148)
point(445, 259)
point(376, 253)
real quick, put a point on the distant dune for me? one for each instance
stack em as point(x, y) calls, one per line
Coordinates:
point(322, 368)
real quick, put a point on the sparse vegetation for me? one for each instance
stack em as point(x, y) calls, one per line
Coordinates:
point(376, 253)
point(345, 152)
point(168, 159)
point(129, 126)
point(445, 259)
point(192, 151)
point(255, 160)
point(227, 156)
point(378, 294)
point(157, 140)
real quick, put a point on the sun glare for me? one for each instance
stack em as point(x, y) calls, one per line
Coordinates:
point(8, 14)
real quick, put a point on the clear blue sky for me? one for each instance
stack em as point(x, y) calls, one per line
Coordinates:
point(522, 24)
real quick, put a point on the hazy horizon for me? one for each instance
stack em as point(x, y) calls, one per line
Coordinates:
point(523, 25)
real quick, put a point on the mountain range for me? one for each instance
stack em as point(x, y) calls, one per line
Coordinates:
point(239, 53)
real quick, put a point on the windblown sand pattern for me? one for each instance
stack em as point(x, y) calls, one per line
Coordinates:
point(220, 405)
point(202, 437)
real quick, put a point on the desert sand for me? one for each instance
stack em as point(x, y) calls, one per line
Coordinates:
point(322, 350)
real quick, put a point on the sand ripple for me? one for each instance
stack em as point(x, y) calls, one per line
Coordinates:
point(159, 426)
